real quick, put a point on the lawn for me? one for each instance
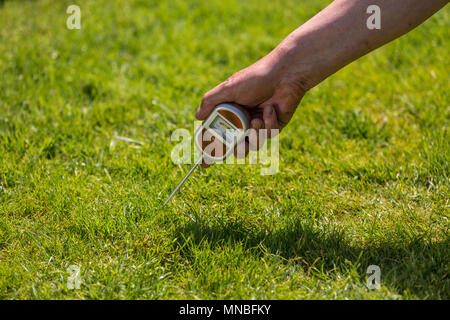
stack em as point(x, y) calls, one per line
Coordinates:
point(363, 177)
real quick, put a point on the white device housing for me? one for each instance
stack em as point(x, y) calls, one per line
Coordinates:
point(223, 116)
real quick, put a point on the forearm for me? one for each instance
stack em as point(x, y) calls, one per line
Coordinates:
point(339, 35)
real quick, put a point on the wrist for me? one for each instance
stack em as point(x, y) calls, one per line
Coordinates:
point(291, 64)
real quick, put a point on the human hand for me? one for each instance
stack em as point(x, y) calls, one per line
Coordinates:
point(265, 89)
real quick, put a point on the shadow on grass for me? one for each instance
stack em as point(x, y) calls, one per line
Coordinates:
point(417, 267)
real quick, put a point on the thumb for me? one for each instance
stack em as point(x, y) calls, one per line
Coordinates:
point(222, 93)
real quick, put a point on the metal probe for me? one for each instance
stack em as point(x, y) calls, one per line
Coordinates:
point(183, 180)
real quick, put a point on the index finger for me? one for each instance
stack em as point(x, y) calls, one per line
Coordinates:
point(212, 98)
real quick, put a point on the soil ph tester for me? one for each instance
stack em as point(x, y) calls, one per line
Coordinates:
point(217, 137)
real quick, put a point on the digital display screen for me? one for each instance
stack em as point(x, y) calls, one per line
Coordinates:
point(224, 129)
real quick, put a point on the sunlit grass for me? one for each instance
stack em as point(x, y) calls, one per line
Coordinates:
point(363, 174)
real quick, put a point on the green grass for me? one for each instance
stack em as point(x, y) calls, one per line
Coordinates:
point(364, 168)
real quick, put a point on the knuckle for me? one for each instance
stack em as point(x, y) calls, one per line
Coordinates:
point(205, 99)
point(228, 84)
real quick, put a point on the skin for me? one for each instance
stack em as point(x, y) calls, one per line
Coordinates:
point(272, 87)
